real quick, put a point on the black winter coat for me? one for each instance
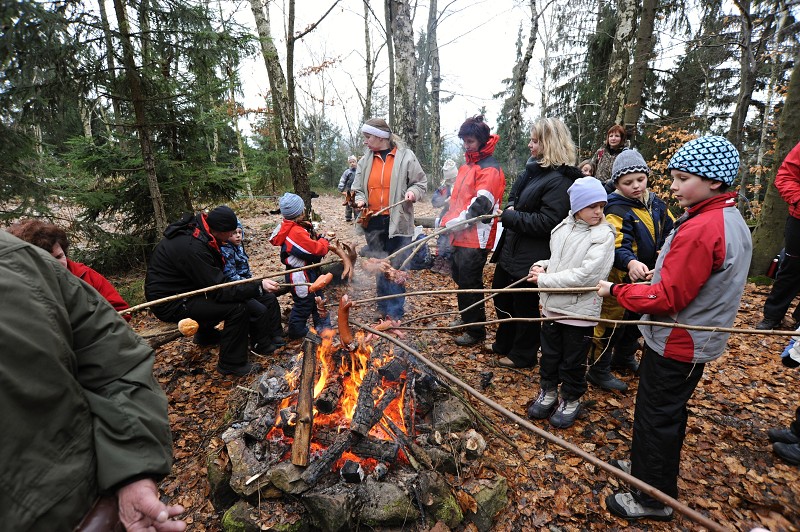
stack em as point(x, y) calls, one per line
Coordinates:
point(187, 259)
point(540, 200)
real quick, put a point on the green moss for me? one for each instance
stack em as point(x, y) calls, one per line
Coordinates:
point(231, 523)
point(449, 512)
point(761, 280)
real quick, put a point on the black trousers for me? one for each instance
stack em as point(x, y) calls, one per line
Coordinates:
point(233, 341)
point(519, 341)
point(795, 426)
point(265, 318)
point(467, 270)
point(659, 422)
point(564, 350)
point(787, 281)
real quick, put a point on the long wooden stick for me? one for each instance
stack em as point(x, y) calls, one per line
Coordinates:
point(301, 446)
point(676, 505)
point(222, 285)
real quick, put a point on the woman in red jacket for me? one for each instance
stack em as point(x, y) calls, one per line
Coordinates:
point(53, 239)
point(478, 190)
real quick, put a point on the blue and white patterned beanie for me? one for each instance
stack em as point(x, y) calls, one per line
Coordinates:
point(712, 157)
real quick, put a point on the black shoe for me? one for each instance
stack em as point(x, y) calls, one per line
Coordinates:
point(622, 465)
point(606, 381)
point(239, 371)
point(767, 324)
point(782, 436)
point(496, 350)
point(507, 362)
point(278, 341)
point(262, 348)
point(624, 505)
point(790, 452)
point(624, 362)
point(467, 339)
point(544, 405)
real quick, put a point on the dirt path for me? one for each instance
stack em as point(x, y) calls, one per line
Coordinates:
point(727, 472)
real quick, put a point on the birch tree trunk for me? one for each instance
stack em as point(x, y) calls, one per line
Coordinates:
point(436, 81)
point(282, 104)
point(519, 78)
point(405, 63)
point(642, 54)
point(369, 68)
point(613, 102)
point(387, 8)
point(138, 102)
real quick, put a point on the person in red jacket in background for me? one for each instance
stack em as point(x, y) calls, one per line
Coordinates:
point(478, 190)
point(300, 247)
point(53, 239)
point(787, 281)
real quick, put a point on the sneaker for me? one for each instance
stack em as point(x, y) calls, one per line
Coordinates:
point(622, 465)
point(606, 381)
point(466, 340)
point(543, 406)
point(506, 362)
point(790, 452)
point(239, 371)
point(261, 348)
point(782, 436)
point(768, 324)
point(566, 413)
point(624, 505)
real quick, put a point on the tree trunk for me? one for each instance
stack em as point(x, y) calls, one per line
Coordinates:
point(768, 235)
point(387, 8)
point(436, 81)
point(642, 53)
point(111, 66)
point(280, 99)
point(520, 76)
point(369, 68)
point(405, 93)
point(138, 100)
point(614, 99)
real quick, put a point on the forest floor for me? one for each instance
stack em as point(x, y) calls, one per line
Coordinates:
point(728, 470)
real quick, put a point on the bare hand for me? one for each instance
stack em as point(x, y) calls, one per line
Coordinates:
point(638, 271)
point(269, 285)
point(604, 289)
point(359, 204)
point(410, 196)
point(533, 274)
point(140, 509)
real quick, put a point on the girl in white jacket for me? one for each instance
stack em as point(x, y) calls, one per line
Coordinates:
point(581, 254)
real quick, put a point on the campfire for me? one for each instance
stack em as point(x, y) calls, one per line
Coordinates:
point(354, 421)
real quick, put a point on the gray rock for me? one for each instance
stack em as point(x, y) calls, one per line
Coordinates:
point(219, 477)
point(385, 504)
point(331, 509)
point(286, 477)
point(443, 461)
point(241, 517)
point(491, 498)
point(451, 415)
point(245, 466)
point(435, 496)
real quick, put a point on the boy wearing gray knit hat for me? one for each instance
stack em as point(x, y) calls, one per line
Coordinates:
point(698, 279)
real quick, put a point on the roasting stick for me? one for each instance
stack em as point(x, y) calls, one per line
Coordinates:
point(676, 505)
point(222, 285)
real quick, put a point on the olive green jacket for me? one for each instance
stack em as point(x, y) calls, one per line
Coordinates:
point(81, 410)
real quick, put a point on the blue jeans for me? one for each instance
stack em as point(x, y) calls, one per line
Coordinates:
point(380, 245)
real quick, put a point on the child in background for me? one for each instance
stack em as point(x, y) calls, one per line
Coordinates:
point(582, 251)
point(300, 247)
point(786, 441)
point(441, 199)
point(643, 222)
point(237, 267)
point(699, 279)
point(587, 168)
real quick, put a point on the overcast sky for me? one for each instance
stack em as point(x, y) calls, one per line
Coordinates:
point(477, 51)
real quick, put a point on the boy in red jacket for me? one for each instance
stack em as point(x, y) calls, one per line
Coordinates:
point(299, 248)
point(698, 279)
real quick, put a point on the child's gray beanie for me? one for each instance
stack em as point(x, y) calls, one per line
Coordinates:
point(628, 162)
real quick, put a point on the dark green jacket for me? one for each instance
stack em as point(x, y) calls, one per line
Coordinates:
point(81, 410)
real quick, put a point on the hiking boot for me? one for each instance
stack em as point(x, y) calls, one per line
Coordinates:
point(624, 505)
point(623, 362)
point(506, 362)
point(239, 371)
point(543, 406)
point(790, 452)
point(782, 436)
point(622, 465)
point(566, 413)
point(606, 381)
point(466, 340)
point(263, 348)
point(456, 322)
point(279, 341)
point(768, 324)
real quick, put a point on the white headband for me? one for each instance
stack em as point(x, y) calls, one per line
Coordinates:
point(372, 130)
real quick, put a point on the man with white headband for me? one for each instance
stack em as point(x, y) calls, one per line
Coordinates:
point(387, 174)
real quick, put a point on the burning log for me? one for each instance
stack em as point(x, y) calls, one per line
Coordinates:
point(329, 397)
point(287, 420)
point(305, 409)
point(392, 371)
point(380, 450)
point(415, 451)
point(365, 405)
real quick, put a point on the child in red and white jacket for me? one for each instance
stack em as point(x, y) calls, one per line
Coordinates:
point(299, 248)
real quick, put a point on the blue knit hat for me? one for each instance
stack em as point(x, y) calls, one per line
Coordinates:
point(712, 157)
point(291, 205)
point(586, 191)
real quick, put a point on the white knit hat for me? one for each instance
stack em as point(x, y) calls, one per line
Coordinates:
point(585, 191)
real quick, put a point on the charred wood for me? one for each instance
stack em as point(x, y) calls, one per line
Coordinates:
point(301, 445)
